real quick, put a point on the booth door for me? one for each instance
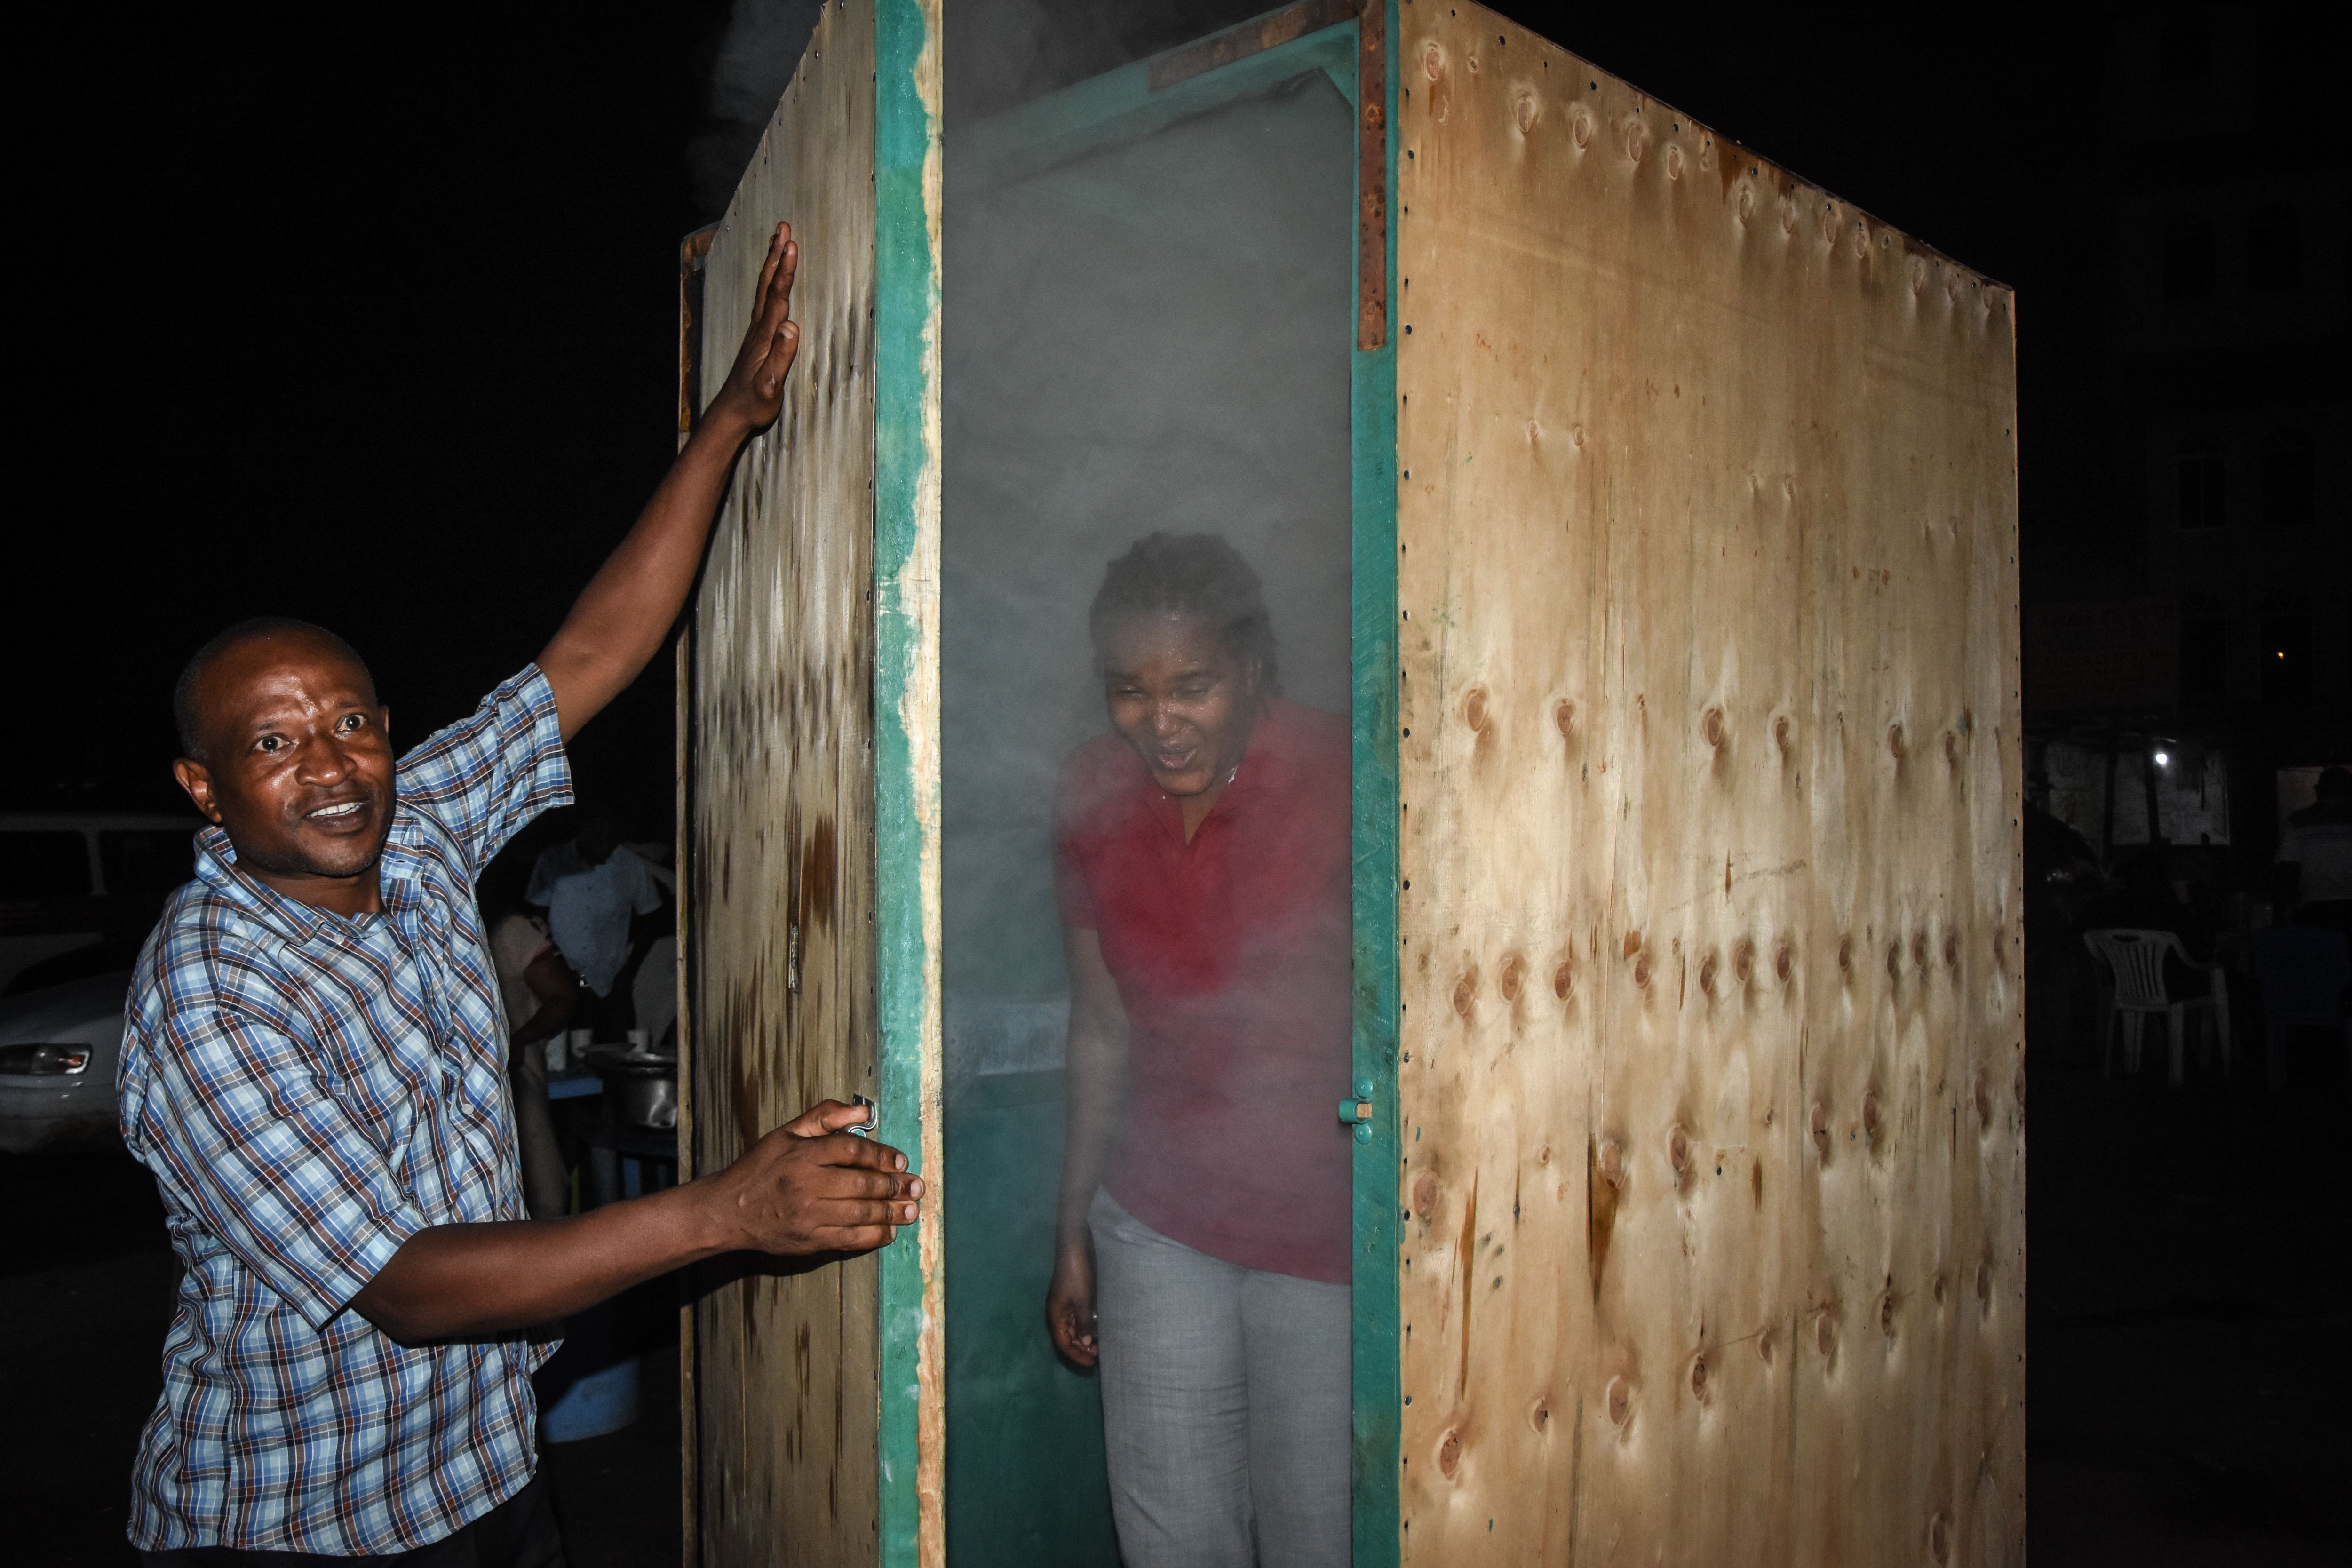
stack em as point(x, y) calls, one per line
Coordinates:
point(809, 915)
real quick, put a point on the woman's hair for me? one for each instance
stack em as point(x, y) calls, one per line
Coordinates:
point(1194, 575)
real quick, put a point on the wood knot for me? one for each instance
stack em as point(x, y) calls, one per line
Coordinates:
point(1474, 707)
point(1714, 728)
point(1678, 1153)
point(1465, 991)
point(1515, 969)
point(1674, 163)
point(1707, 974)
point(1919, 950)
point(1887, 1305)
point(1895, 742)
point(1633, 943)
point(1527, 110)
point(1893, 960)
point(1539, 1414)
point(1819, 1126)
point(1845, 956)
point(1952, 950)
point(1939, 1538)
point(1784, 962)
point(1449, 1452)
point(1743, 961)
point(1745, 205)
point(1984, 1102)
point(1781, 734)
point(1612, 1161)
point(1952, 750)
point(1765, 1347)
point(1870, 1119)
point(1642, 970)
point(1580, 125)
point(1620, 1401)
point(1637, 140)
point(1563, 979)
point(1936, 1287)
point(1563, 712)
point(1699, 1378)
point(1433, 61)
point(1984, 1286)
point(1424, 1195)
point(1825, 1334)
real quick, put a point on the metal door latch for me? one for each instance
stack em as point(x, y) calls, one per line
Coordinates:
point(872, 1116)
point(1357, 1110)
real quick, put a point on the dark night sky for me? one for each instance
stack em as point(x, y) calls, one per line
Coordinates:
point(376, 327)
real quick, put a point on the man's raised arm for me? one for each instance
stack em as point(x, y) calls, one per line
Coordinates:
point(621, 619)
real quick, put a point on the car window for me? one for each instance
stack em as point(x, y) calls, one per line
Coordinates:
point(50, 863)
point(149, 860)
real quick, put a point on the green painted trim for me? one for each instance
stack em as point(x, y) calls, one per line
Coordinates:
point(1377, 1396)
point(1119, 106)
point(906, 323)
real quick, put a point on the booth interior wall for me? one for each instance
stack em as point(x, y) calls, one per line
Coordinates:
point(785, 1395)
point(1710, 759)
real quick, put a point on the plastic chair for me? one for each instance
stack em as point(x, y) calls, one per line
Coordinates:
point(2136, 958)
point(2303, 971)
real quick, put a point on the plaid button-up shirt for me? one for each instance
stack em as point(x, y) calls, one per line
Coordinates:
point(311, 1090)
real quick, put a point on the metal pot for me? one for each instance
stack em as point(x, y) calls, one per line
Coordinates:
point(638, 1092)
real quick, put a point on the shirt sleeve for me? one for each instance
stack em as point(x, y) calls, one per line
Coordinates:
point(487, 774)
point(272, 1164)
point(648, 895)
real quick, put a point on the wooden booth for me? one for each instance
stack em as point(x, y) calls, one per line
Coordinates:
point(1653, 516)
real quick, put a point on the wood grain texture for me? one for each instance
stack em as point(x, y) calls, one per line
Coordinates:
point(1710, 941)
point(782, 871)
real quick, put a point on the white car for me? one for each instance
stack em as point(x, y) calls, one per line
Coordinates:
point(58, 1048)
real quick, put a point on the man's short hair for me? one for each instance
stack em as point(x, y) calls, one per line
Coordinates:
point(185, 716)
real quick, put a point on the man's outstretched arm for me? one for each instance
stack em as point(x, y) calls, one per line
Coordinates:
point(621, 619)
point(807, 1187)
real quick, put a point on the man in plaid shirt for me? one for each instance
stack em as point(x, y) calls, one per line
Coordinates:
point(314, 1069)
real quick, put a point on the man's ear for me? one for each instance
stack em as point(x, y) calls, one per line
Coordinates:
point(198, 780)
point(383, 719)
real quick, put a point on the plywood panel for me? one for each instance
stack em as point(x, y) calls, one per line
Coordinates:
point(783, 973)
point(1708, 930)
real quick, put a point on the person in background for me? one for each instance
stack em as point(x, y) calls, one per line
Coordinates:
point(2315, 855)
point(594, 890)
point(313, 1070)
point(1201, 1259)
point(541, 995)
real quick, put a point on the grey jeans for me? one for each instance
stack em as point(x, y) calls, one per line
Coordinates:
point(1225, 1405)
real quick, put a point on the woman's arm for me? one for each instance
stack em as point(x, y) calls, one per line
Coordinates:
point(1097, 1090)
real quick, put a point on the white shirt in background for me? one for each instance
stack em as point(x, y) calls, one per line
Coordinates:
point(589, 907)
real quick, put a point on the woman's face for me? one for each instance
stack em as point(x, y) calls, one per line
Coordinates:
point(1182, 699)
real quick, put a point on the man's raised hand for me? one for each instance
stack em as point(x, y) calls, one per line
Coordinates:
point(754, 392)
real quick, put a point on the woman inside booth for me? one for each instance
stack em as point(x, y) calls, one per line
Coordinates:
point(1202, 863)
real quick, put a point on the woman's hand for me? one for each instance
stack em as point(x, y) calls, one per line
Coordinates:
point(1070, 1305)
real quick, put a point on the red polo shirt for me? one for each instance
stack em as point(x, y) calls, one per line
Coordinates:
point(1233, 957)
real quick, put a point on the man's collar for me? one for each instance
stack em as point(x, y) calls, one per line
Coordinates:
point(216, 867)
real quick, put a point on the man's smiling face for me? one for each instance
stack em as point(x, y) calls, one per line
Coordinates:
point(296, 766)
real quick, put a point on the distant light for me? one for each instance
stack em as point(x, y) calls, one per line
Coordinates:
point(2281, 653)
point(2164, 759)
